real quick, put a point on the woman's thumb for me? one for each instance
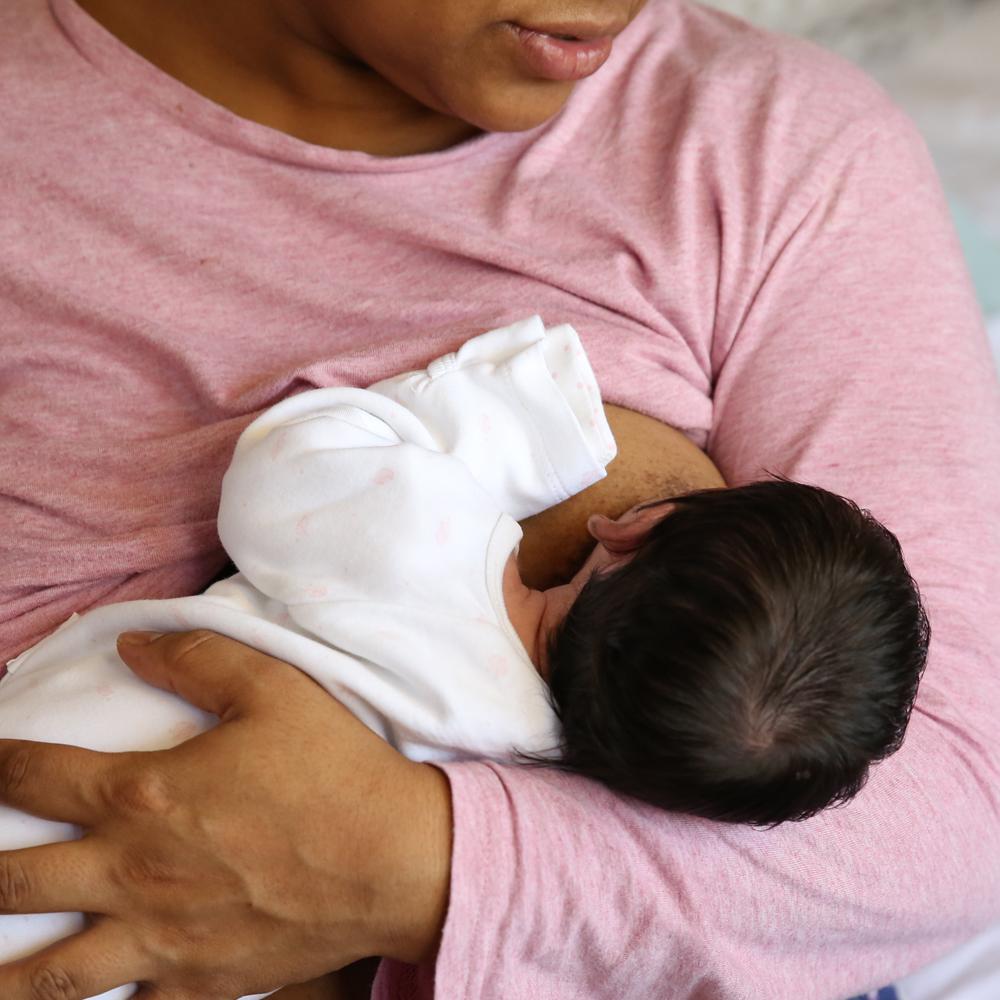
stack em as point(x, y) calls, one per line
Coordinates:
point(212, 672)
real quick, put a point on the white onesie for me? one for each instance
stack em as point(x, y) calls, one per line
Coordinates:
point(371, 528)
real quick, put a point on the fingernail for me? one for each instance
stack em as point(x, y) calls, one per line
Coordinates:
point(138, 638)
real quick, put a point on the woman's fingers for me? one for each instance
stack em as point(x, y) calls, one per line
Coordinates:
point(78, 967)
point(56, 782)
point(53, 878)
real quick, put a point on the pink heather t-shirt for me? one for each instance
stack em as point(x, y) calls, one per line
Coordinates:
point(753, 246)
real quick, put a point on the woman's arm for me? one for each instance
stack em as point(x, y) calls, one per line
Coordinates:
point(857, 361)
point(351, 983)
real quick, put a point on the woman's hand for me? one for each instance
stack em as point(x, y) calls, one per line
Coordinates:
point(285, 842)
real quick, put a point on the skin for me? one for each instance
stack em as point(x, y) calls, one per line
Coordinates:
point(190, 894)
point(193, 893)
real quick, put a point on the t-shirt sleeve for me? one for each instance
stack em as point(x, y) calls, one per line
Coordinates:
point(858, 361)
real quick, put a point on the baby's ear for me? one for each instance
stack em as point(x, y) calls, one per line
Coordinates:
point(619, 537)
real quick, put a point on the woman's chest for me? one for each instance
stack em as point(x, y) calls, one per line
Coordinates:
point(227, 292)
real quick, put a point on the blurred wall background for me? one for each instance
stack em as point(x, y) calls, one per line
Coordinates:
point(940, 60)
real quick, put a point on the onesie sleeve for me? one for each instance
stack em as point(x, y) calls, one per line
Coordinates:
point(521, 408)
point(856, 359)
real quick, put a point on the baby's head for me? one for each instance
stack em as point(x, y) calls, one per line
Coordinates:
point(755, 654)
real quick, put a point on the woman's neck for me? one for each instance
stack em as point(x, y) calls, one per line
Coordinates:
point(273, 63)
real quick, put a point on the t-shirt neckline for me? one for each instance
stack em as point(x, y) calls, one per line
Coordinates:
point(192, 110)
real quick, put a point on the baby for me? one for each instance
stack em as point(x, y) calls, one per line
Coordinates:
point(739, 654)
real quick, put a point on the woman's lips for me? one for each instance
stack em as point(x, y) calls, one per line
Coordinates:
point(553, 58)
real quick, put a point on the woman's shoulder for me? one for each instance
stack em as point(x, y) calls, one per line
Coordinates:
point(711, 49)
point(688, 67)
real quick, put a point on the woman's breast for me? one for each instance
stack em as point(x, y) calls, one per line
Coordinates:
point(653, 461)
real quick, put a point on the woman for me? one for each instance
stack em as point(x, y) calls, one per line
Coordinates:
point(210, 205)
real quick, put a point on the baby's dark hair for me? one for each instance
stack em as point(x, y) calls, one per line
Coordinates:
point(759, 651)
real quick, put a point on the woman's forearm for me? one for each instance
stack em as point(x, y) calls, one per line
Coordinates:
point(410, 899)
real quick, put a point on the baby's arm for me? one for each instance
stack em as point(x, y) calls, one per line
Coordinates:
point(293, 506)
point(319, 481)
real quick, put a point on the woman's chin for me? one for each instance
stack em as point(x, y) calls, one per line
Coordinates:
point(516, 109)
